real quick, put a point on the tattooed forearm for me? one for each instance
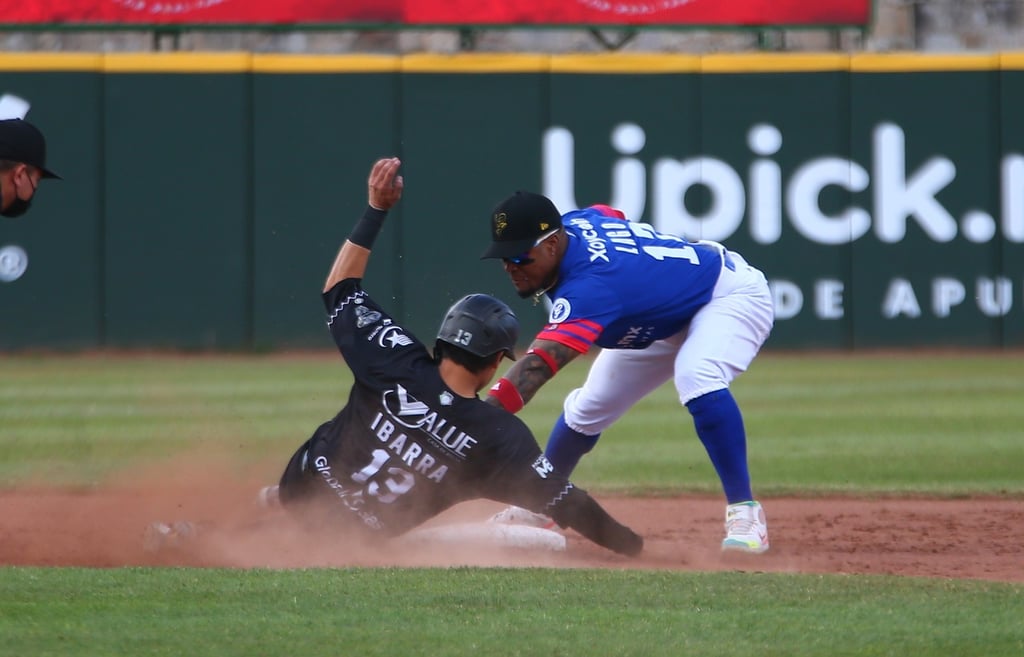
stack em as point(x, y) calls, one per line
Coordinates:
point(531, 372)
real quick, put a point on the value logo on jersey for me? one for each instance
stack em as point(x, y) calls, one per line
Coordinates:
point(560, 311)
point(411, 413)
point(402, 404)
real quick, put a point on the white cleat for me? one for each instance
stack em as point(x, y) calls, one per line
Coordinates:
point(269, 497)
point(514, 515)
point(746, 529)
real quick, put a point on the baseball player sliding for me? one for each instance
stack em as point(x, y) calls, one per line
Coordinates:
point(414, 439)
point(660, 308)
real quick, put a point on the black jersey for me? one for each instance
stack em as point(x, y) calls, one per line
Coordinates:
point(405, 447)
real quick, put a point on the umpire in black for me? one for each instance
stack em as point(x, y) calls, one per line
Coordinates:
point(414, 439)
point(22, 165)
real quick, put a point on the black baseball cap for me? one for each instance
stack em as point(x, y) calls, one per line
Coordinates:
point(20, 141)
point(518, 222)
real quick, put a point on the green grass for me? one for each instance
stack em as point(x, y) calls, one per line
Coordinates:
point(79, 420)
point(499, 612)
point(949, 425)
point(872, 424)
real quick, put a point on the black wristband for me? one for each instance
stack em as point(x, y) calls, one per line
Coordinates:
point(365, 232)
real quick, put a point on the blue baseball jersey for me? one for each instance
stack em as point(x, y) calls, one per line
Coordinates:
point(622, 285)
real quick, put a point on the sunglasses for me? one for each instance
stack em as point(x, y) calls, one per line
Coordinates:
point(524, 258)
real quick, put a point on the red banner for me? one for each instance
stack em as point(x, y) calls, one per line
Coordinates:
point(440, 12)
point(641, 12)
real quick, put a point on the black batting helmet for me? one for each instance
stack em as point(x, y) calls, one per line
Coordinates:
point(481, 325)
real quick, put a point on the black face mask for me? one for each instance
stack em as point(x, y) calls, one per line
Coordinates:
point(18, 206)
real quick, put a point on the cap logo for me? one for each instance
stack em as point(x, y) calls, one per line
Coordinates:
point(500, 224)
point(544, 226)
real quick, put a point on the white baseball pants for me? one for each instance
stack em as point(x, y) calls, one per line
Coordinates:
point(719, 343)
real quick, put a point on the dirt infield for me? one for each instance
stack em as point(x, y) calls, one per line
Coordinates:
point(961, 538)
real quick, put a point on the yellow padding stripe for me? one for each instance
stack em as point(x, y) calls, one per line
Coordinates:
point(608, 63)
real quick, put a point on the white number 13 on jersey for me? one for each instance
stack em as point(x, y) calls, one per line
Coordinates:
point(399, 483)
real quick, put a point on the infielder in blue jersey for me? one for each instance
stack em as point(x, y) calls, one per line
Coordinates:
point(660, 308)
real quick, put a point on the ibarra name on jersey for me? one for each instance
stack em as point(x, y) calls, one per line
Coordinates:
point(411, 454)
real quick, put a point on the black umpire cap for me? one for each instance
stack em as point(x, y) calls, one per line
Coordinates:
point(518, 222)
point(20, 141)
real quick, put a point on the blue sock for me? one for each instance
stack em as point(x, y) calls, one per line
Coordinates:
point(566, 446)
point(719, 426)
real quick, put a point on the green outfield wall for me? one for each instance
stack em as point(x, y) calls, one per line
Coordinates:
point(205, 195)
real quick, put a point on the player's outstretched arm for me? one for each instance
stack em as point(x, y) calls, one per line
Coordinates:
point(524, 379)
point(584, 514)
point(385, 188)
